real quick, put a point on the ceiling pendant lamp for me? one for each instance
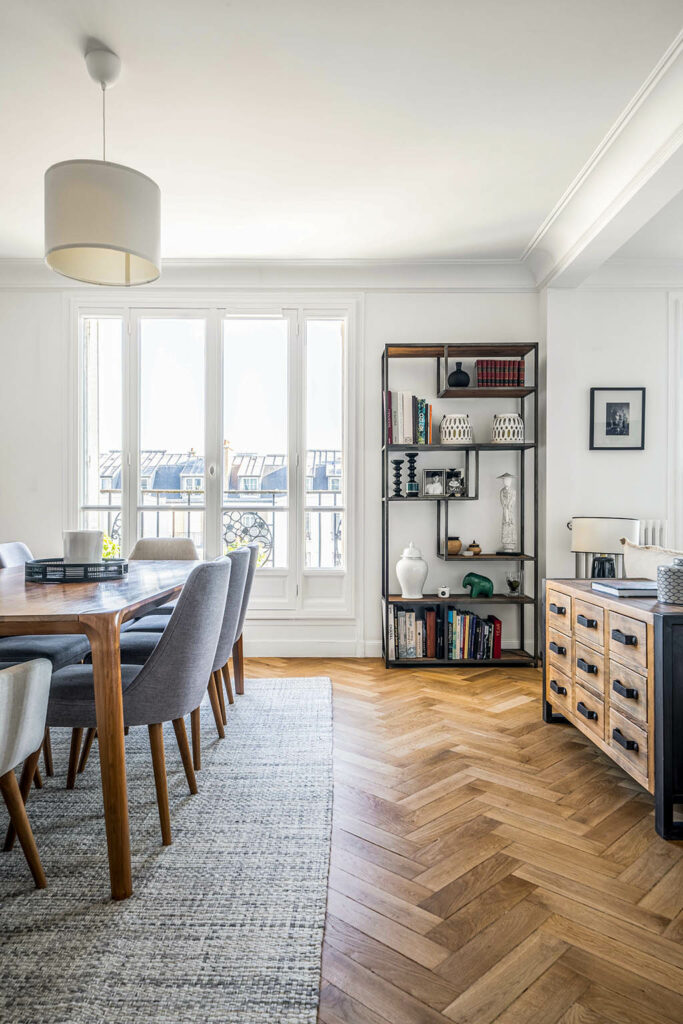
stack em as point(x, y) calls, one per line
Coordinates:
point(102, 220)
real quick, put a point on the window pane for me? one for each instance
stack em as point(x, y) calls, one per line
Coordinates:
point(324, 540)
point(324, 487)
point(109, 521)
point(102, 433)
point(255, 434)
point(324, 412)
point(171, 463)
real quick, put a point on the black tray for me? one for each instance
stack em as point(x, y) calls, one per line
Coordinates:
point(55, 570)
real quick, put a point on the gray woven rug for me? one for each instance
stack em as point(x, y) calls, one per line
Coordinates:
point(224, 925)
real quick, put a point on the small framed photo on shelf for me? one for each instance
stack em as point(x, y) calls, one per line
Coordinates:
point(617, 419)
point(433, 482)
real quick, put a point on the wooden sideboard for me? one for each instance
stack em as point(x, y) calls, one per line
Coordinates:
point(613, 667)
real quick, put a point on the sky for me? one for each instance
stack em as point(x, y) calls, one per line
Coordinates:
point(254, 380)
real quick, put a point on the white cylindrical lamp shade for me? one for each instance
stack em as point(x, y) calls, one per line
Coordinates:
point(102, 223)
point(602, 534)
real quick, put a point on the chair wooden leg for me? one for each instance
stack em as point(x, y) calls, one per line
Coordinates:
point(221, 699)
point(15, 805)
point(228, 683)
point(76, 735)
point(85, 752)
point(37, 777)
point(27, 774)
point(156, 742)
point(184, 748)
point(238, 666)
point(47, 754)
point(195, 719)
point(216, 708)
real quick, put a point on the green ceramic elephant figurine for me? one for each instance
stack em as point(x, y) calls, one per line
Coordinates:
point(480, 586)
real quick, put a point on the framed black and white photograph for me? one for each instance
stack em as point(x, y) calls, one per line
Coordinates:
point(617, 419)
point(433, 482)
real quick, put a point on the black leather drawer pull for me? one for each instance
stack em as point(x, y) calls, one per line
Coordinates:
point(618, 735)
point(558, 609)
point(588, 623)
point(624, 638)
point(626, 691)
point(556, 649)
point(562, 690)
point(586, 712)
point(592, 670)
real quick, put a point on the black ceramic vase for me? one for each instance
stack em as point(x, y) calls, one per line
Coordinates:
point(459, 378)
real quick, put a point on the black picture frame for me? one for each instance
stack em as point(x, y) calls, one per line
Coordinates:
point(613, 422)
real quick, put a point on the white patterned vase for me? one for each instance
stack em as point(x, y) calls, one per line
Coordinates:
point(508, 428)
point(670, 582)
point(411, 570)
point(456, 428)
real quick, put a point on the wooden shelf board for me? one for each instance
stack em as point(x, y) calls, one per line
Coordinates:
point(427, 497)
point(484, 447)
point(483, 557)
point(474, 392)
point(508, 657)
point(460, 598)
point(501, 350)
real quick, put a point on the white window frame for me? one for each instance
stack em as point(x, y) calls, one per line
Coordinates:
point(344, 595)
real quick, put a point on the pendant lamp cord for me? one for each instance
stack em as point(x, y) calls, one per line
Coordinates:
point(104, 128)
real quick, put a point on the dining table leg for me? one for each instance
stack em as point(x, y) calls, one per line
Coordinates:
point(103, 633)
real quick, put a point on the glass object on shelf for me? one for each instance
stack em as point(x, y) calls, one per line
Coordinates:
point(513, 579)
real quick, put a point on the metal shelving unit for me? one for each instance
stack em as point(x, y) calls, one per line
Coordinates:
point(526, 451)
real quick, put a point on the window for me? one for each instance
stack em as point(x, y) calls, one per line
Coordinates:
point(225, 427)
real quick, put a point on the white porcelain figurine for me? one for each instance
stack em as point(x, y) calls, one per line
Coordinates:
point(508, 531)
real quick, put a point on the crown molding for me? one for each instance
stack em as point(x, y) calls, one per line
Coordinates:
point(653, 274)
point(593, 217)
point(354, 275)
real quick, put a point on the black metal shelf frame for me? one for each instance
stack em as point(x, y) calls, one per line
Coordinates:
point(526, 399)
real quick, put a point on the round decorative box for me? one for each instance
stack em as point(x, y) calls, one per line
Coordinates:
point(456, 429)
point(508, 428)
point(670, 582)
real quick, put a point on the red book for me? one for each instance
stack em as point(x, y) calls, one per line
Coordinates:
point(390, 437)
point(497, 635)
point(431, 633)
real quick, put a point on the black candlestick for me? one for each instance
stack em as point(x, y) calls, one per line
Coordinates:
point(412, 488)
point(398, 466)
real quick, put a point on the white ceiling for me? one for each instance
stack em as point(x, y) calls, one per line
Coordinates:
point(659, 239)
point(320, 129)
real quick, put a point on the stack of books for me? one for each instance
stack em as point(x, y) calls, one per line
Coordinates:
point(414, 633)
point(499, 373)
point(472, 638)
point(408, 419)
point(625, 588)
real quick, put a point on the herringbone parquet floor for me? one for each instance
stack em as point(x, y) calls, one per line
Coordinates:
point(485, 866)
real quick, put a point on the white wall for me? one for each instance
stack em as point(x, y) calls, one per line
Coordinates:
point(34, 354)
point(603, 338)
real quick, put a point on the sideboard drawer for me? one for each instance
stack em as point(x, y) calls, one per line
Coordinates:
point(589, 623)
point(628, 692)
point(589, 668)
point(559, 611)
point(588, 712)
point(629, 741)
point(628, 640)
point(560, 650)
point(560, 691)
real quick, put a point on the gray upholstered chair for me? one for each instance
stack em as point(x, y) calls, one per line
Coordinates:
point(167, 687)
point(59, 650)
point(24, 691)
point(237, 650)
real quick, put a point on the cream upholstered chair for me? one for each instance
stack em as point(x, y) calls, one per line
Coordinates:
point(24, 693)
point(150, 549)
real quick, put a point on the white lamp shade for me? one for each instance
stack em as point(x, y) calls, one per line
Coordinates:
point(102, 223)
point(602, 535)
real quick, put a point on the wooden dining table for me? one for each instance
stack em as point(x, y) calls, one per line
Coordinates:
point(98, 610)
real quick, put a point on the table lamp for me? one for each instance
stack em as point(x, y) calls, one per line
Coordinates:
point(600, 538)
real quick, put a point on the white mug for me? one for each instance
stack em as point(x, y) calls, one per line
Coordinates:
point(83, 546)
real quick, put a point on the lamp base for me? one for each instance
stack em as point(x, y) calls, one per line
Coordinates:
point(603, 567)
